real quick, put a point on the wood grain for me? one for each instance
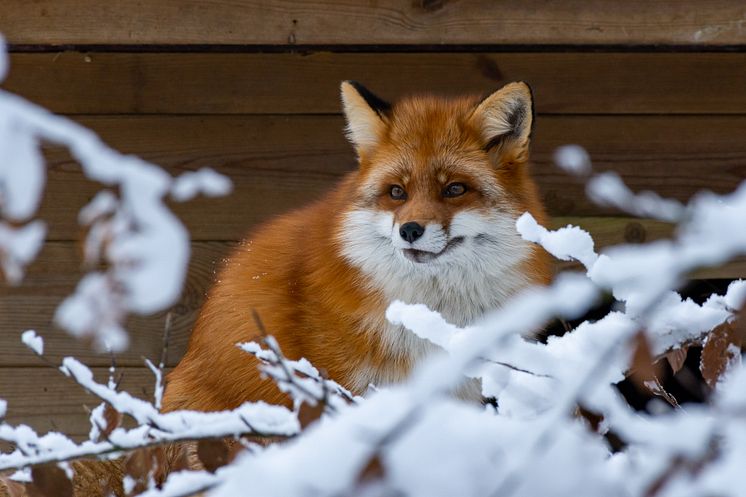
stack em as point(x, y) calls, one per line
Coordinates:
point(241, 83)
point(54, 275)
point(280, 22)
point(48, 401)
point(281, 162)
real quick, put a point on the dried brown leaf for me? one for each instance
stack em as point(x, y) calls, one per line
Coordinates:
point(372, 471)
point(643, 368)
point(676, 358)
point(113, 419)
point(49, 480)
point(721, 346)
point(143, 464)
point(234, 448)
point(593, 418)
point(307, 413)
point(212, 453)
point(158, 465)
point(137, 463)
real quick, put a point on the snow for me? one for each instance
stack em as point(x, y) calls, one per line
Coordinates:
point(299, 379)
point(95, 310)
point(184, 483)
point(573, 159)
point(158, 391)
point(608, 189)
point(33, 341)
point(3, 408)
point(20, 247)
point(567, 243)
point(205, 181)
point(423, 441)
point(104, 203)
point(736, 296)
point(22, 172)
point(144, 246)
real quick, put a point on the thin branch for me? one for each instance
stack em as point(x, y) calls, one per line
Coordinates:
point(290, 375)
point(108, 448)
point(166, 340)
point(516, 368)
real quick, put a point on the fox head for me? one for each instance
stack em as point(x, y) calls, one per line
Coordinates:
point(440, 184)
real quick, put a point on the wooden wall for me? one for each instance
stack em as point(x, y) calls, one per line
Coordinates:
point(654, 90)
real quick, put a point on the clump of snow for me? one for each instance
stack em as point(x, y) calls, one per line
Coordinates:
point(3, 408)
point(95, 310)
point(33, 341)
point(184, 483)
point(736, 296)
point(567, 243)
point(98, 422)
point(608, 189)
point(144, 246)
point(574, 159)
point(22, 172)
point(104, 203)
point(19, 246)
point(205, 181)
point(158, 392)
point(303, 382)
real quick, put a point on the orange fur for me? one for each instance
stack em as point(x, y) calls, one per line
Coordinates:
point(315, 301)
point(322, 292)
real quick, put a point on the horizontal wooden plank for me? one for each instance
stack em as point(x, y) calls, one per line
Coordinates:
point(54, 275)
point(48, 401)
point(241, 83)
point(278, 22)
point(281, 162)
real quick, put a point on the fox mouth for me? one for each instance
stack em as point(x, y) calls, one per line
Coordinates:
point(423, 256)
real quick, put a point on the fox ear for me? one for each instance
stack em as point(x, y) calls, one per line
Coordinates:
point(366, 115)
point(505, 119)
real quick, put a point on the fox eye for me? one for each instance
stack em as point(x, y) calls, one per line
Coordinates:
point(398, 193)
point(454, 190)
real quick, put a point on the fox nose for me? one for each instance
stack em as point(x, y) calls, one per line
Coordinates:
point(411, 231)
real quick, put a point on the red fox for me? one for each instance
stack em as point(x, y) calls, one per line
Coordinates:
point(428, 217)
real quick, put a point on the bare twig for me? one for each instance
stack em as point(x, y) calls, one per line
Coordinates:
point(290, 375)
point(166, 340)
point(656, 388)
point(516, 368)
point(108, 448)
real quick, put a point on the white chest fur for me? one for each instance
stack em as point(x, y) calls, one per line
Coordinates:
point(476, 277)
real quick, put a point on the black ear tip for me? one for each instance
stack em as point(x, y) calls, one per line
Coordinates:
point(374, 101)
point(529, 89)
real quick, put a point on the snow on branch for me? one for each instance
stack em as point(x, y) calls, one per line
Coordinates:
point(256, 420)
point(303, 382)
point(132, 231)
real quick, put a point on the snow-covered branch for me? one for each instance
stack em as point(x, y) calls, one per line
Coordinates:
point(257, 420)
point(145, 247)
